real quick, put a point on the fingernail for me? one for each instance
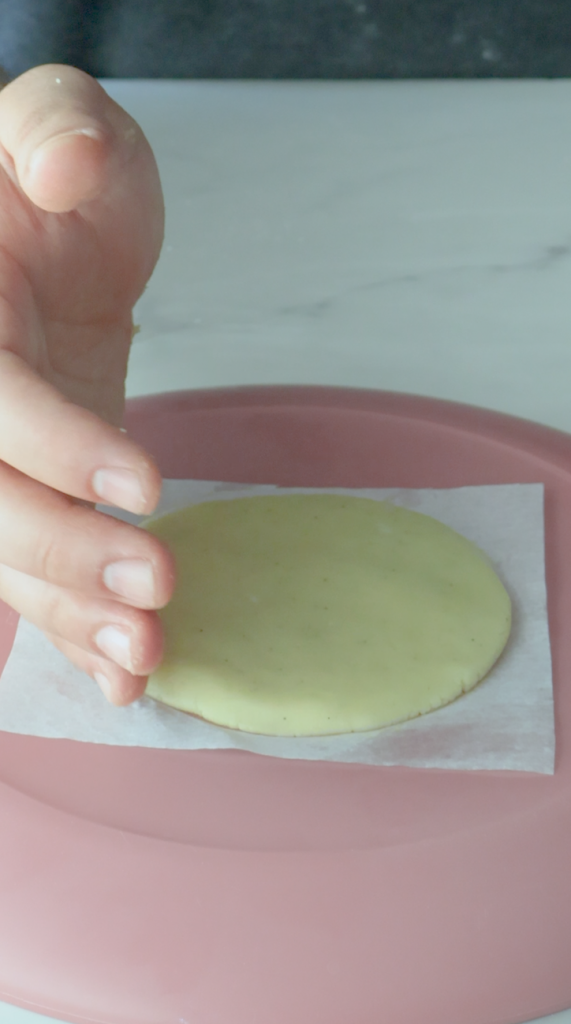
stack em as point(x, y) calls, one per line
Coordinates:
point(44, 148)
point(120, 487)
point(132, 578)
point(115, 643)
point(104, 684)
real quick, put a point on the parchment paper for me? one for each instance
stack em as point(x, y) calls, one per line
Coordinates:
point(505, 723)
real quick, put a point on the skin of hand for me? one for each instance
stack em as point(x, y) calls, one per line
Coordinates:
point(81, 228)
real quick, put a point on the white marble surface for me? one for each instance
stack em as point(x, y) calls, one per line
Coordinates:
point(409, 236)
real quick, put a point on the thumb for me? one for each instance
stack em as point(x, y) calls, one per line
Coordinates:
point(59, 131)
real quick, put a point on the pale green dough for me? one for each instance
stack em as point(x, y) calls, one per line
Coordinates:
point(311, 614)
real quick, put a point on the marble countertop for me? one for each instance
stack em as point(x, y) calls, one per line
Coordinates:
point(399, 235)
point(409, 236)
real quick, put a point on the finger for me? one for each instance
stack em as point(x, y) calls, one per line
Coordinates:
point(51, 537)
point(62, 132)
point(119, 687)
point(68, 447)
point(127, 636)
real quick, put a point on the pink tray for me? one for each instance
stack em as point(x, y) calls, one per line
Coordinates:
point(173, 887)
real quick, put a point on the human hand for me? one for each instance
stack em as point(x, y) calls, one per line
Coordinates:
point(81, 227)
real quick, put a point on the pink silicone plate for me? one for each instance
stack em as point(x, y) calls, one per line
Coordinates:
point(173, 887)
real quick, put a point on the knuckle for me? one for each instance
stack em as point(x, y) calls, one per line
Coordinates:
point(56, 611)
point(51, 560)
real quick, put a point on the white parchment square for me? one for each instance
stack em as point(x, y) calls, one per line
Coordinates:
point(506, 722)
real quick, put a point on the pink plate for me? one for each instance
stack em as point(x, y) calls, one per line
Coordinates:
point(175, 887)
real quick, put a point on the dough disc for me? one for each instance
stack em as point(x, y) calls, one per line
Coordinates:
point(308, 614)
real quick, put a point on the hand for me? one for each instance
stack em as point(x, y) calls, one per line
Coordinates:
point(81, 227)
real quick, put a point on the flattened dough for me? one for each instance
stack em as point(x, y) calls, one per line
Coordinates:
point(301, 614)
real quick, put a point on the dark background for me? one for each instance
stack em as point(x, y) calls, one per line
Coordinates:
point(291, 38)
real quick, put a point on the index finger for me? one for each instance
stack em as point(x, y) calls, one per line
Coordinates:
point(68, 447)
